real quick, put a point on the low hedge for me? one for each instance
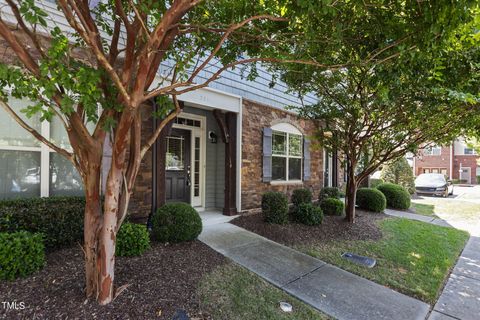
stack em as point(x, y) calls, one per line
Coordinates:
point(396, 195)
point(176, 222)
point(371, 199)
point(59, 219)
point(332, 207)
point(21, 254)
point(275, 207)
point(308, 214)
point(300, 196)
point(132, 240)
point(329, 192)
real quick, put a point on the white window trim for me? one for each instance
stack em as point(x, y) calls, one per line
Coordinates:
point(296, 132)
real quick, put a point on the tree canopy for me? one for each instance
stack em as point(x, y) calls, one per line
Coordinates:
point(405, 82)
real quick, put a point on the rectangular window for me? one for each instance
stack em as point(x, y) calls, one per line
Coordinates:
point(28, 168)
point(469, 151)
point(432, 151)
point(19, 174)
point(287, 150)
point(64, 178)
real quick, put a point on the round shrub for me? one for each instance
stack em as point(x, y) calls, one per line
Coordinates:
point(275, 207)
point(302, 195)
point(371, 199)
point(132, 240)
point(396, 195)
point(309, 214)
point(375, 182)
point(329, 192)
point(176, 222)
point(332, 207)
point(21, 253)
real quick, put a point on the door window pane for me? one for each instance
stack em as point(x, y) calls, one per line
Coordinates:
point(19, 174)
point(175, 147)
point(279, 168)
point(64, 178)
point(294, 169)
point(279, 143)
point(196, 169)
point(11, 134)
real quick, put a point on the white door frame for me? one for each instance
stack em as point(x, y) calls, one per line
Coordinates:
point(469, 170)
point(197, 202)
point(330, 165)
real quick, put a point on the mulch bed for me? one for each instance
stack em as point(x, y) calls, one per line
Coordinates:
point(332, 228)
point(162, 281)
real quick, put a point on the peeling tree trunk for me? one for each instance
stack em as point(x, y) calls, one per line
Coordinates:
point(351, 194)
point(92, 226)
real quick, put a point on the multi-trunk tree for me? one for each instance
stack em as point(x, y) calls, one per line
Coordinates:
point(102, 68)
point(400, 87)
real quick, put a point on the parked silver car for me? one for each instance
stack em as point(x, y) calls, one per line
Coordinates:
point(433, 184)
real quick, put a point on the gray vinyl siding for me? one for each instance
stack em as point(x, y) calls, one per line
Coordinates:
point(215, 162)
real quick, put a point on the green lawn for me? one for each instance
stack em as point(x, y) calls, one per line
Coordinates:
point(412, 257)
point(232, 292)
point(423, 209)
point(446, 208)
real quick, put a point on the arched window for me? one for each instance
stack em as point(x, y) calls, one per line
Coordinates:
point(287, 153)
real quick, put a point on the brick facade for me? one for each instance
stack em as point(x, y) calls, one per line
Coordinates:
point(465, 161)
point(256, 117)
point(438, 162)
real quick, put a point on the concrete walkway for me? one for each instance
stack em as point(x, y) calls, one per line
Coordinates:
point(418, 217)
point(331, 290)
point(460, 298)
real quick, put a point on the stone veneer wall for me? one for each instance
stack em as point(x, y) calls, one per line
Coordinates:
point(255, 118)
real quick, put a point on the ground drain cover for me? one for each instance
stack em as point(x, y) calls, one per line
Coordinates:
point(361, 260)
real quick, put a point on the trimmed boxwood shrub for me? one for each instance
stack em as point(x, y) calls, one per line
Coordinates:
point(332, 207)
point(329, 192)
point(309, 214)
point(371, 199)
point(59, 219)
point(396, 195)
point(21, 254)
point(176, 222)
point(132, 240)
point(300, 196)
point(275, 207)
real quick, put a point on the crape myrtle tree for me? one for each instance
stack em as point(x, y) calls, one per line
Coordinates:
point(399, 89)
point(101, 69)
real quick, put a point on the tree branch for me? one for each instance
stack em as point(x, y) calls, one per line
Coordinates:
point(35, 133)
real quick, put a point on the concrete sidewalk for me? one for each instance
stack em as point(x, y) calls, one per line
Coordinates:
point(460, 298)
point(331, 290)
point(418, 217)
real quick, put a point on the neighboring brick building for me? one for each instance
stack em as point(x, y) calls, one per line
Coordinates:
point(457, 161)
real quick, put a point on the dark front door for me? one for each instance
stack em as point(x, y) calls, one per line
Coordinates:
point(177, 166)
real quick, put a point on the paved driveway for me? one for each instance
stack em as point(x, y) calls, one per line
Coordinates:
point(461, 210)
